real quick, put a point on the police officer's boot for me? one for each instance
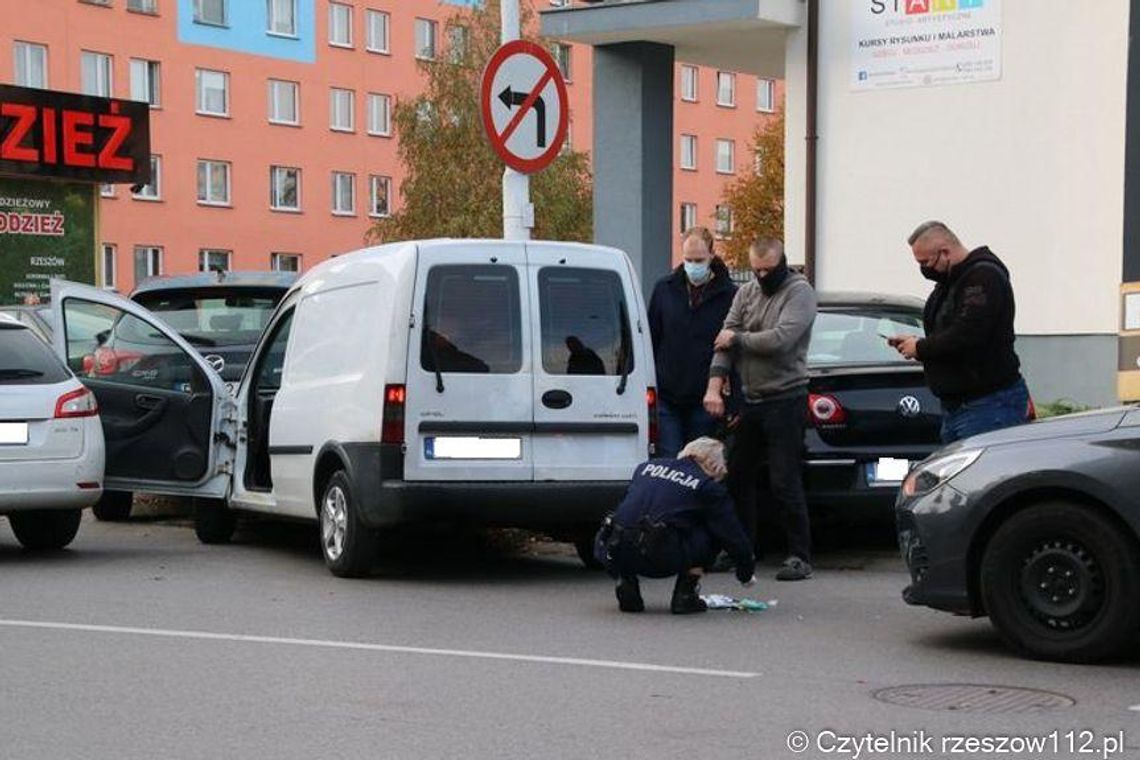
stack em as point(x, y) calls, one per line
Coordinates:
point(687, 595)
point(629, 595)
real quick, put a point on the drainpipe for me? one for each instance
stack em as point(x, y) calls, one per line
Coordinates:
point(812, 138)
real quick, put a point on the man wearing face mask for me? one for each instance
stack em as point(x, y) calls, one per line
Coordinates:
point(967, 353)
point(686, 311)
point(765, 339)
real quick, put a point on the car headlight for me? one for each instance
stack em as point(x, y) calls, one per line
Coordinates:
point(934, 472)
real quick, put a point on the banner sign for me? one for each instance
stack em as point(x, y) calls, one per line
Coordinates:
point(61, 135)
point(924, 43)
point(47, 230)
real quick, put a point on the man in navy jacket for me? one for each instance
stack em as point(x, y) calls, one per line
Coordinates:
point(686, 311)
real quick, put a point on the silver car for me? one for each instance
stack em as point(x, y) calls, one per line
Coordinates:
point(51, 441)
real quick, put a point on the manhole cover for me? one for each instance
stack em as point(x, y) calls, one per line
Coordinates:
point(964, 697)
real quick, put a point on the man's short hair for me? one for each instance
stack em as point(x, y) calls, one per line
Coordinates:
point(764, 246)
point(932, 226)
point(708, 453)
point(699, 232)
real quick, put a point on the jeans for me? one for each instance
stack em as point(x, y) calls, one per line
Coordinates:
point(677, 424)
point(997, 410)
point(769, 440)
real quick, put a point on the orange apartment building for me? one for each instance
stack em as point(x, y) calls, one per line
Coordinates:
point(271, 131)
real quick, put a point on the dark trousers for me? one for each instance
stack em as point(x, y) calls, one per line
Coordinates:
point(677, 424)
point(676, 554)
point(998, 410)
point(769, 441)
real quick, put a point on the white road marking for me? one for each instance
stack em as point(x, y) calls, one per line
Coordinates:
point(1135, 708)
point(360, 646)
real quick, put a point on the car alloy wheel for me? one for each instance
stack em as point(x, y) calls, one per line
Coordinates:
point(1062, 585)
point(334, 522)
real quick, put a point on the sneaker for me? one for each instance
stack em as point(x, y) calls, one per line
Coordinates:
point(794, 569)
point(628, 593)
point(687, 595)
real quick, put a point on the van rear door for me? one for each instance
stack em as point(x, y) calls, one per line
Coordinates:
point(468, 407)
point(590, 409)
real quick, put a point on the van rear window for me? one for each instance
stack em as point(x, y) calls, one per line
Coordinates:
point(472, 320)
point(585, 322)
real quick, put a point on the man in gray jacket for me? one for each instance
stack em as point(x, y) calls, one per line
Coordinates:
point(765, 338)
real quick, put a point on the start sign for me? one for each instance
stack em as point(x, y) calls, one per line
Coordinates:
point(60, 135)
point(524, 105)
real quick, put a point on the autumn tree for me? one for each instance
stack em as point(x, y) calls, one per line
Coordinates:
point(756, 198)
point(453, 186)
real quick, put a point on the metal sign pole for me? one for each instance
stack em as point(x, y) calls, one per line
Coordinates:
point(518, 213)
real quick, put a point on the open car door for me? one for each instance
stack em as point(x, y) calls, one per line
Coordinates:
point(167, 418)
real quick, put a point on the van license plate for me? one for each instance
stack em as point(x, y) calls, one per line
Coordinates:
point(13, 433)
point(887, 471)
point(472, 447)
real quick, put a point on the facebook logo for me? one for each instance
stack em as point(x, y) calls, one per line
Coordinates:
point(862, 76)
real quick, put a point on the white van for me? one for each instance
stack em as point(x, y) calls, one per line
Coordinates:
point(506, 383)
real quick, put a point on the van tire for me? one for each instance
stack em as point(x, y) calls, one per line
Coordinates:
point(347, 544)
point(45, 530)
point(214, 522)
point(114, 506)
point(584, 545)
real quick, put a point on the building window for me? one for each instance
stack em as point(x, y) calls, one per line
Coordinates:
point(152, 191)
point(724, 223)
point(107, 190)
point(285, 262)
point(381, 194)
point(340, 25)
point(146, 82)
point(31, 64)
point(285, 188)
point(457, 37)
point(689, 152)
point(688, 217)
point(379, 114)
point(148, 262)
point(689, 78)
point(210, 12)
point(214, 183)
point(725, 157)
point(344, 194)
point(95, 74)
point(107, 263)
point(213, 260)
point(765, 95)
point(726, 89)
point(425, 39)
point(143, 6)
point(282, 17)
point(283, 102)
point(376, 24)
point(342, 116)
point(562, 56)
point(213, 92)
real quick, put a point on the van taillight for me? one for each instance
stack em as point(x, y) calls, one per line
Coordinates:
point(392, 429)
point(79, 403)
point(826, 410)
point(651, 402)
point(1030, 411)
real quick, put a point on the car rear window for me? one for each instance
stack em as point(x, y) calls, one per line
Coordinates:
point(854, 335)
point(26, 360)
point(210, 318)
point(472, 320)
point(585, 322)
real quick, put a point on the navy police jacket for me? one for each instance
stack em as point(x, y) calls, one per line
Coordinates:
point(679, 493)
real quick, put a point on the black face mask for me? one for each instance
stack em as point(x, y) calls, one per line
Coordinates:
point(933, 274)
point(774, 279)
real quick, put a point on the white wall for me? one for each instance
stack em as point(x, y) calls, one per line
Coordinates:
point(1031, 165)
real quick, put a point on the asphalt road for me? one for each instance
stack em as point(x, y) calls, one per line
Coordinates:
point(140, 643)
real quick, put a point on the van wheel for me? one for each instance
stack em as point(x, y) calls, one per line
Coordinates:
point(348, 546)
point(1059, 583)
point(584, 545)
point(114, 506)
point(214, 522)
point(45, 529)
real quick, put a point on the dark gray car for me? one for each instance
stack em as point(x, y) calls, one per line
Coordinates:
point(1037, 527)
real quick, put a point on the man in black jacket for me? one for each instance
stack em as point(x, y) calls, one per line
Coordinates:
point(686, 312)
point(967, 353)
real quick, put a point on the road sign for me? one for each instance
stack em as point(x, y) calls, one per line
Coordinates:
point(524, 105)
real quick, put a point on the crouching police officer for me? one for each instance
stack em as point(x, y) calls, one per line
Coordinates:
point(674, 518)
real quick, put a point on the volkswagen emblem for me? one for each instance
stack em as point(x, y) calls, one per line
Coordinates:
point(909, 406)
point(217, 363)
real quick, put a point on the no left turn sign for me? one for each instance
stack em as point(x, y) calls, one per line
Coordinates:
point(524, 106)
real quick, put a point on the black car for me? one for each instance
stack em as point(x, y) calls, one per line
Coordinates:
point(1036, 526)
point(871, 415)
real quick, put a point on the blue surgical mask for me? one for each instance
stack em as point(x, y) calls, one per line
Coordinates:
point(697, 272)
